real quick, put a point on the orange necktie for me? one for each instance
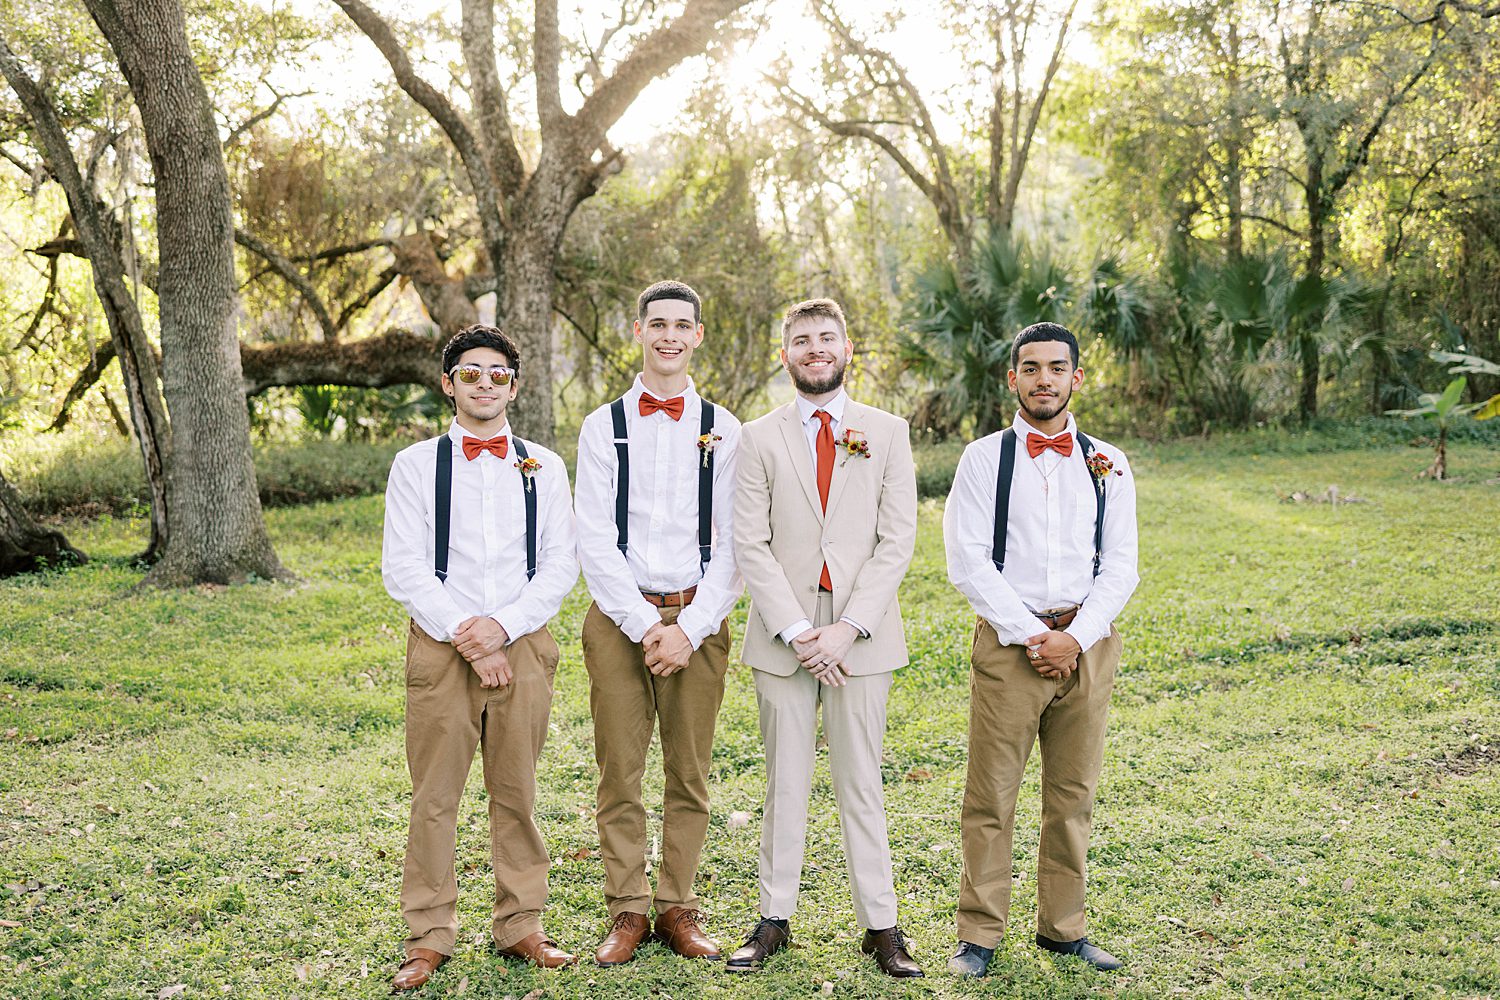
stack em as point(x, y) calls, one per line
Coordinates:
point(671, 407)
point(825, 476)
point(496, 446)
point(1062, 444)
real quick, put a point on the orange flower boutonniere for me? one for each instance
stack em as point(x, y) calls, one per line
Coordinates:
point(529, 468)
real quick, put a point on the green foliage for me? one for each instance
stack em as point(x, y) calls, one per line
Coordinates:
point(77, 476)
point(208, 787)
point(964, 318)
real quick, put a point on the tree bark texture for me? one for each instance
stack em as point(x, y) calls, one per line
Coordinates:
point(218, 533)
point(26, 546)
point(100, 239)
point(393, 358)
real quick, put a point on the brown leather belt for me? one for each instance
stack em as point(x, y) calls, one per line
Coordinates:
point(671, 599)
point(1058, 619)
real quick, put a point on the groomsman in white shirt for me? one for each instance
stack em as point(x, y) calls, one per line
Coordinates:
point(656, 474)
point(1041, 538)
point(479, 549)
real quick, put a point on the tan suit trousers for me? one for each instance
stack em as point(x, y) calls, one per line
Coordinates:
point(854, 716)
point(1011, 707)
point(628, 702)
point(448, 715)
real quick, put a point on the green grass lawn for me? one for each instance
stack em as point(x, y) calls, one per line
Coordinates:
point(1300, 793)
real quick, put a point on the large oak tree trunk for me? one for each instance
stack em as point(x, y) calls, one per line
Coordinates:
point(525, 313)
point(26, 546)
point(218, 533)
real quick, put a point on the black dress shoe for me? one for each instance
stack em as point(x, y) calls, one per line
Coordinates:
point(889, 948)
point(1095, 956)
point(970, 961)
point(764, 941)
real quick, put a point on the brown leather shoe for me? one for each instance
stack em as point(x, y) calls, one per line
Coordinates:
point(624, 937)
point(765, 940)
point(682, 930)
point(419, 966)
point(539, 949)
point(889, 948)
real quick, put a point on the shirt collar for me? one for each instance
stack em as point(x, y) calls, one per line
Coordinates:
point(1022, 428)
point(834, 406)
point(457, 432)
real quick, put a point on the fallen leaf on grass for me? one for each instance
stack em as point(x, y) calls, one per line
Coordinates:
point(150, 787)
point(9, 923)
point(1349, 884)
point(171, 991)
point(582, 854)
point(463, 985)
point(739, 819)
point(1174, 921)
point(919, 774)
point(301, 972)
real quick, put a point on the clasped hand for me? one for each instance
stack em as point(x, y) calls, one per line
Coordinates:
point(822, 651)
point(666, 649)
point(1054, 654)
point(482, 641)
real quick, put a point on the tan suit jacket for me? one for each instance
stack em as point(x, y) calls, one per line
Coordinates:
point(782, 537)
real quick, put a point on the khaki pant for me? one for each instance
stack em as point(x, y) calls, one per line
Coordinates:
point(628, 702)
point(1011, 705)
point(448, 715)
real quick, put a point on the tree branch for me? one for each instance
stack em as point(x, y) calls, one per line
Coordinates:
point(487, 198)
point(100, 355)
point(651, 56)
point(547, 45)
point(490, 108)
point(289, 273)
point(260, 116)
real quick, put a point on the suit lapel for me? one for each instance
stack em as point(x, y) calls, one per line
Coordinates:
point(844, 464)
point(796, 445)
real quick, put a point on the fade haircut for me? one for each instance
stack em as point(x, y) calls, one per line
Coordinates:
point(669, 290)
point(813, 309)
point(1040, 333)
point(480, 335)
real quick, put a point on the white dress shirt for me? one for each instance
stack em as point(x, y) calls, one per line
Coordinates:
point(1049, 552)
point(811, 426)
point(486, 539)
point(662, 550)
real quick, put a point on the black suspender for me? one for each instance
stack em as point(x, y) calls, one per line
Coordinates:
point(705, 482)
point(1002, 497)
point(622, 475)
point(528, 495)
point(706, 487)
point(443, 508)
point(1088, 453)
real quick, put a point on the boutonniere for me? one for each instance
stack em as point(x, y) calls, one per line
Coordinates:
point(529, 468)
point(855, 443)
point(706, 444)
point(1100, 466)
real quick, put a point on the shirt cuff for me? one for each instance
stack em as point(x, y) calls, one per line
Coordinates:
point(510, 619)
point(864, 633)
point(793, 630)
point(694, 626)
point(1016, 633)
point(452, 629)
point(1085, 631)
point(639, 622)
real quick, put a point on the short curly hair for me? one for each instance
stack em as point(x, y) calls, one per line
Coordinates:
point(480, 335)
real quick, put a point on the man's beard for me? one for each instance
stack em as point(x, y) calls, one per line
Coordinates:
point(1045, 409)
point(831, 381)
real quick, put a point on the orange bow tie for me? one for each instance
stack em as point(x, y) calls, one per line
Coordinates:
point(496, 446)
point(1062, 444)
point(671, 407)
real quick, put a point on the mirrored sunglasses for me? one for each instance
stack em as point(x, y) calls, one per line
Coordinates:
point(469, 374)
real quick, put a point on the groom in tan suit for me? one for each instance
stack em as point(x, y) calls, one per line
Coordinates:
point(825, 521)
